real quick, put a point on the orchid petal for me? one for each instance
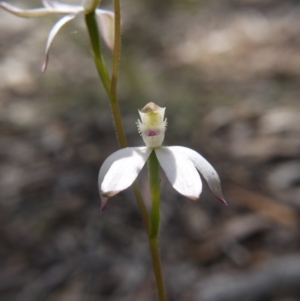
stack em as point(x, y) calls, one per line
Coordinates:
point(107, 26)
point(55, 29)
point(39, 12)
point(120, 169)
point(35, 12)
point(205, 168)
point(180, 171)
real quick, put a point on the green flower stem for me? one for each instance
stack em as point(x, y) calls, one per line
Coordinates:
point(117, 49)
point(110, 86)
point(157, 269)
point(153, 170)
point(114, 76)
point(92, 27)
point(154, 180)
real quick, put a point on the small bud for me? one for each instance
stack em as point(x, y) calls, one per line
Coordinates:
point(152, 125)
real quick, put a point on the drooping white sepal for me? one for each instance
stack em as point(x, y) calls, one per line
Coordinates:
point(120, 169)
point(55, 29)
point(180, 171)
point(205, 168)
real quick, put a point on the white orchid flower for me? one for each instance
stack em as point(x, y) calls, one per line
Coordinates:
point(179, 163)
point(53, 7)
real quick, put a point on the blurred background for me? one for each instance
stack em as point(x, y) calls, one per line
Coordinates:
point(228, 72)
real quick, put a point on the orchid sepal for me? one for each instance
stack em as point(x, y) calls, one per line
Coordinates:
point(120, 170)
point(180, 171)
point(206, 170)
point(53, 32)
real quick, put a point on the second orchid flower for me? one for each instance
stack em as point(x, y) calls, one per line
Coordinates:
point(69, 12)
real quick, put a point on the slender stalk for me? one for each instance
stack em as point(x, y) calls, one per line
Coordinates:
point(104, 75)
point(157, 269)
point(117, 49)
point(153, 172)
point(92, 27)
point(154, 181)
point(114, 77)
